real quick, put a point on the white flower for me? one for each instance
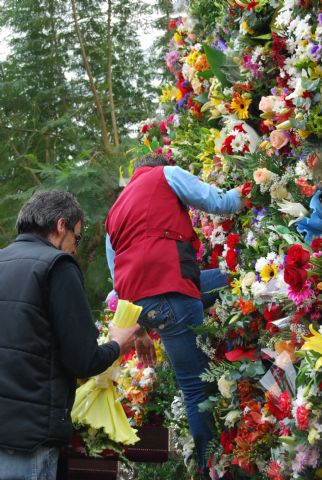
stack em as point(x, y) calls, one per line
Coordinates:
point(271, 256)
point(293, 209)
point(224, 386)
point(260, 264)
point(232, 417)
point(302, 169)
point(239, 142)
point(257, 289)
point(299, 90)
point(251, 239)
point(247, 282)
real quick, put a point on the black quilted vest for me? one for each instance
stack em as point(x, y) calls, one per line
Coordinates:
point(36, 392)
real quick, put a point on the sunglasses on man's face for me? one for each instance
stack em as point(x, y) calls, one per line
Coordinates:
point(78, 238)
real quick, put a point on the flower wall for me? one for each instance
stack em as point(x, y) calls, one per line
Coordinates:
point(244, 108)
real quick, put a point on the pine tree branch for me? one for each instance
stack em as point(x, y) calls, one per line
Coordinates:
point(97, 101)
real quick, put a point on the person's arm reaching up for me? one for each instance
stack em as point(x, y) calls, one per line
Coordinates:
point(198, 194)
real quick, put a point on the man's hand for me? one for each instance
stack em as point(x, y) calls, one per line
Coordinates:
point(145, 348)
point(125, 337)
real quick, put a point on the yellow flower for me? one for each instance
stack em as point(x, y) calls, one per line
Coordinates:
point(236, 287)
point(192, 57)
point(314, 344)
point(246, 28)
point(178, 96)
point(146, 142)
point(177, 37)
point(159, 351)
point(303, 134)
point(268, 272)
point(167, 94)
point(317, 72)
point(240, 105)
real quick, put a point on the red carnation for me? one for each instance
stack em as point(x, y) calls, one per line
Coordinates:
point(297, 256)
point(302, 418)
point(280, 406)
point(231, 260)
point(316, 244)
point(172, 24)
point(295, 277)
point(232, 240)
point(145, 128)
point(246, 188)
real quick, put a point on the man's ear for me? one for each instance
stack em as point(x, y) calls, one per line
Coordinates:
point(61, 226)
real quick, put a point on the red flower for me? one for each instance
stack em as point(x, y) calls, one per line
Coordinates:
point(252, 4)
point(273, 471)
point(316, 244)
point(246, 188)
point(297, 256)
point(238, 353)
point(280, 406)
point(232, 240)
point(226, 225)
point(172, 24)
point(227, 440)
point(295, 277)
point(145, 128)
point(226, 146)
point(231, 260)
point(302, 418)
point(272, 313)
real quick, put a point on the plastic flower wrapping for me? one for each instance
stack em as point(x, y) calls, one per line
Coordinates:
point(110, 405)
point(245, 108)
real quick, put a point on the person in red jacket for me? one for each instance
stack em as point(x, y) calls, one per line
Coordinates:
point(152, 259)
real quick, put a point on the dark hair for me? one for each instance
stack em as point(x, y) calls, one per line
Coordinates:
point(42, 212)
point(150, 160)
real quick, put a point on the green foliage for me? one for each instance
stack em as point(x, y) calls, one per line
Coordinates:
point(162, 393)
point(162, 471)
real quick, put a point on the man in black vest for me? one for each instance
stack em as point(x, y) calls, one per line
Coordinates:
point(47, 336)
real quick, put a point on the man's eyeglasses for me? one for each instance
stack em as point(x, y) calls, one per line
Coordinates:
point(78, 238)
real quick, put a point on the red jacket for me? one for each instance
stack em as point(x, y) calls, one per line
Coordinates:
point(151, 233)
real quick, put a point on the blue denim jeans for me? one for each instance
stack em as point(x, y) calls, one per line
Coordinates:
point(174, 315)
point(38, 465)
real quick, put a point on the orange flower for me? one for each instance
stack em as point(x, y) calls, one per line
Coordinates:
point(202, 64)
point(286, 346)
point(136, 395)
point(246, 306)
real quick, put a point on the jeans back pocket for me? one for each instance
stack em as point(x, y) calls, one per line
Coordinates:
point(156, 313)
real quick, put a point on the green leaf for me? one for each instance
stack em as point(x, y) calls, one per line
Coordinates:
point(267, 36)
point(216, 60)
point(202, 98)
point(207, 75)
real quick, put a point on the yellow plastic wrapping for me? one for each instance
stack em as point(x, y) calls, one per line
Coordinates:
point(96, 403)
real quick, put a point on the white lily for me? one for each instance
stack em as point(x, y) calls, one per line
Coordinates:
point(293, 209)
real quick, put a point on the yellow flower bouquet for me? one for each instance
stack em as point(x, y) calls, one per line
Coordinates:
point(96, 403)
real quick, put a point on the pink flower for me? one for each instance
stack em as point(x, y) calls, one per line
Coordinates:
point(299, 297)
point(262, 176)
point(266, 104)
point(279, 138)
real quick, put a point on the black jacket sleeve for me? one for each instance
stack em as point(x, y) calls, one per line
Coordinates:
point(73, 327)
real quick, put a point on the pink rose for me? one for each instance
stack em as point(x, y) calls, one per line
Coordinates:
point(279, 138)
point(266, 104)
point(262, 176)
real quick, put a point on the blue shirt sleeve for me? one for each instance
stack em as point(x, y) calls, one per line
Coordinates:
point(110, 255)
point(198, 194)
